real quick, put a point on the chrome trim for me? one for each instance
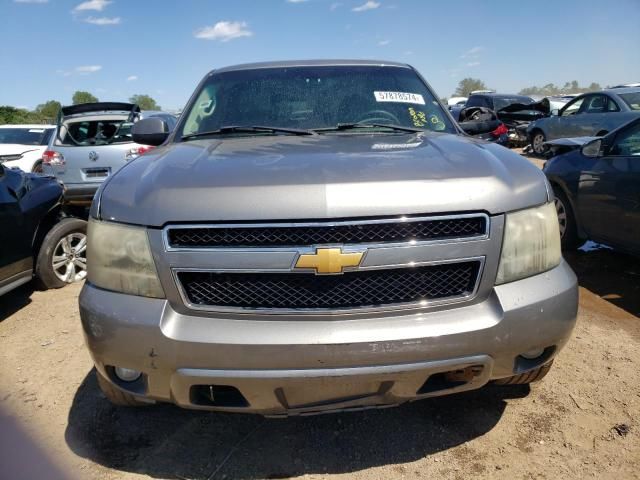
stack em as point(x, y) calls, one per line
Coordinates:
point(314, 311)
point(402, 219)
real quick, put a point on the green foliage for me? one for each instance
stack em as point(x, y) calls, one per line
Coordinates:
point(145, 102)
point(48, 111)
point(83, 97)
point(551, 89)
point(468, 85)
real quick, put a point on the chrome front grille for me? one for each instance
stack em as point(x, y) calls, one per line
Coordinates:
point(374, 288)
point(392, 230)
point(407, 262)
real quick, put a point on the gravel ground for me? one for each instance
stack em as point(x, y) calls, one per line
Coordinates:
point(581, 421)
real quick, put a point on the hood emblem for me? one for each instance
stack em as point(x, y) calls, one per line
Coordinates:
point(329, 260)
point(93, 155)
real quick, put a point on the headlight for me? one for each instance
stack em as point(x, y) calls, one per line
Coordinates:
point(531, 243)
point(119, 259)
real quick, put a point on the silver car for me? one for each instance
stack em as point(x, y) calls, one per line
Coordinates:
point(591, 114)
point(92, 141)
point(321, 236)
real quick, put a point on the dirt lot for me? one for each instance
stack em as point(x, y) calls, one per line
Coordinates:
point(582, 421)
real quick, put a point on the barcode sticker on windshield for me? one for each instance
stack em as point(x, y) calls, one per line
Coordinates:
point(399, 97)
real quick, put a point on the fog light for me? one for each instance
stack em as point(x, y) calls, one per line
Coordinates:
point(127, 374)
point(532, 354)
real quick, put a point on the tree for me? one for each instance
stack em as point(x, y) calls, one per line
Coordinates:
point(551, 89)
point(9, 115)
point(83, 97)
point(145, 102)
point(48, 111)
point(468, 85)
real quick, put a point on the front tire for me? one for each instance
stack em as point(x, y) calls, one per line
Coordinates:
point(537, 140)
point(566, 221)
point(62, 258)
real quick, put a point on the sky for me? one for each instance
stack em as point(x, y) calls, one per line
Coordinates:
point(117, 48)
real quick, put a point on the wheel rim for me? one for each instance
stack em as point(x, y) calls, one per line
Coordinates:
point(562, 216)
point(538, 140)
point(69, 260)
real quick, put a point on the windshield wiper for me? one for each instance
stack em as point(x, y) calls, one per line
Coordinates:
point(352, 126)
point(248, 129)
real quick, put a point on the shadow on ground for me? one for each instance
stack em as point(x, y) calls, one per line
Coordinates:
point(15, 300)
point(164, 441)
point(611, 275)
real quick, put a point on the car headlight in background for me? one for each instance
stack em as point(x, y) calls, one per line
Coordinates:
point(119, 259)
point(531, 243)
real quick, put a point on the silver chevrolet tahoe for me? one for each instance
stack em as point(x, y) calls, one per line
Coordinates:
point(320, 236)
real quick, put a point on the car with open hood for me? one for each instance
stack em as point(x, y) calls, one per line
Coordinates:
point(596, 181)
point(320, 236)
point(92, 141)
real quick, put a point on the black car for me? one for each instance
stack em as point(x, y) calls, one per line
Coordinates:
point(515, 111)
point(597, 188)
point(35, 236)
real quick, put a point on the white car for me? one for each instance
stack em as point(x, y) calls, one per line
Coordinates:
point(22, 146)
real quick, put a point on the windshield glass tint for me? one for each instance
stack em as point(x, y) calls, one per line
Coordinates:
point(315, 97)
point(97, 132)
point(632, 99)
point(25, 136)
point(500, 103)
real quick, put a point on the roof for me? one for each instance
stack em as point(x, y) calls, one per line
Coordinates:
point(24, 125)
point(310, 63)
point(502, 95)
point(619, 91)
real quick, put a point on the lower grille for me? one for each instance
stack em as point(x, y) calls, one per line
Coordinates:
point(308, 291)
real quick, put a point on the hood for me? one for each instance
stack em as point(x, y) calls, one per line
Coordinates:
point(319, 177)
point(543, 106)
point(11, 149)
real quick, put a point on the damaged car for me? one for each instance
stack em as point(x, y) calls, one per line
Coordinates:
point(596, 181)
point(590, 114)
point(37, 238)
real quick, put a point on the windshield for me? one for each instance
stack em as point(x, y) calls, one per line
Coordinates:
point(631, 99)
point(502, 102)
point(315, 98)
point(25, 136)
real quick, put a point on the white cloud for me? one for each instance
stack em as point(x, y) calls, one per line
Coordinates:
point(297, 1)
point(132, 78)
point(472, 53)
point(473, 64)
point(87, 69)
point(103, 20)
point(31, 1)
point(97, 5)
point(335, 5)
point(382, 43)
point(368, 5)
point(224, 31)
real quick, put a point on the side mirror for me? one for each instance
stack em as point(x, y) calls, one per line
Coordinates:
point(592, 148)
point(150, 131)
point(555, 112)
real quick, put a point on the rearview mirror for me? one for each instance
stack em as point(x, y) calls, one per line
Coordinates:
point(592, 148)
point(150, 131)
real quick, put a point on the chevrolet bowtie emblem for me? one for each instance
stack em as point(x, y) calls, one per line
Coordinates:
point(329, 260)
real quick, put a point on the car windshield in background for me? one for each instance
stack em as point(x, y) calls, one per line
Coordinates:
point(631, 99)
point(315, 98)
point(502, 102)
point(25, 136)
point(97, 132)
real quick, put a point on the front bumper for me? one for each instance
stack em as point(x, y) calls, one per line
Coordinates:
point(292, 366)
